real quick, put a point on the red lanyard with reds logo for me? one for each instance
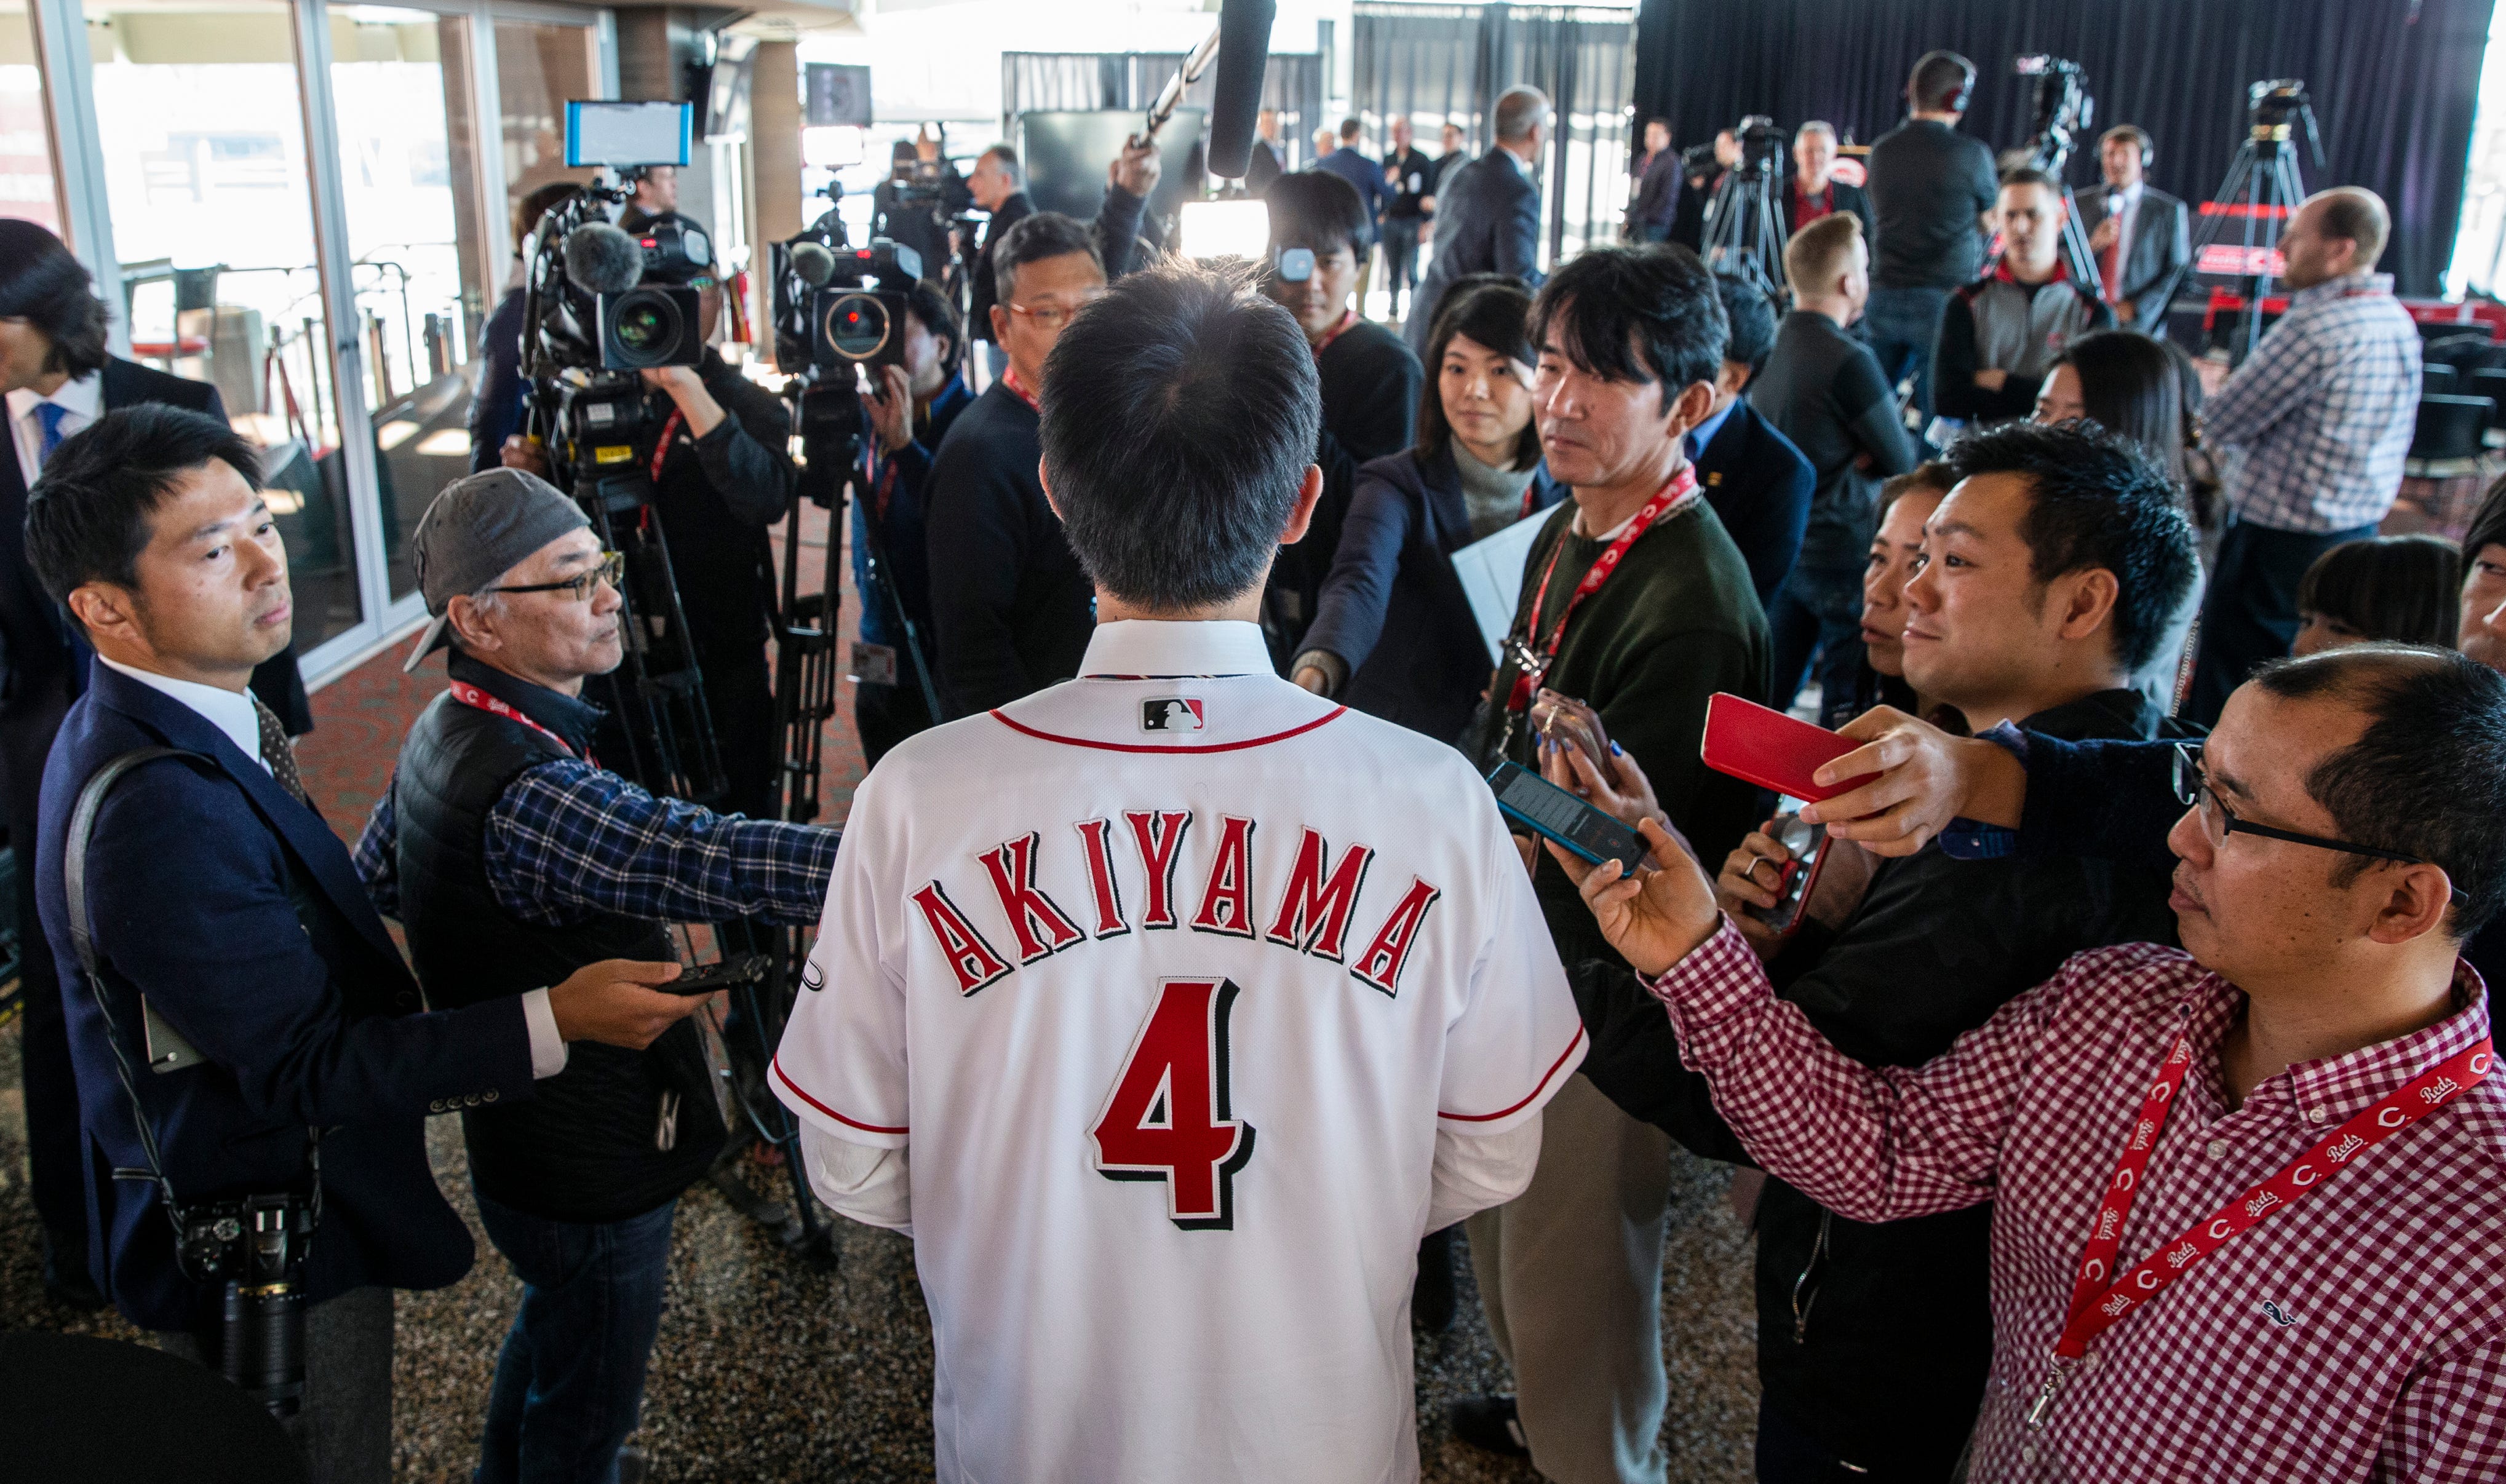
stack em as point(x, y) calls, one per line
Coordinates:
point(1018, 389)
point(1347, 322)
point(662, 449)
point(1681, 488)
point(2096, 1305)
point(472, 696)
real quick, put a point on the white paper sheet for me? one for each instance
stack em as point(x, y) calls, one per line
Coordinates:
point(1491, 573)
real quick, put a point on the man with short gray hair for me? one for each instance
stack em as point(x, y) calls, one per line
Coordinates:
point(1814, 190)
point(512, 858)
point(1487, 215)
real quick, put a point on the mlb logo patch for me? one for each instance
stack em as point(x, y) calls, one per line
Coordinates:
point(1172, 713)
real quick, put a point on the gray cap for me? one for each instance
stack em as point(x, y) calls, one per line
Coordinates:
point(473, 533)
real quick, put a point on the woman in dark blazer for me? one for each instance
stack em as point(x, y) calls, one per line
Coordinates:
point(1394, 635)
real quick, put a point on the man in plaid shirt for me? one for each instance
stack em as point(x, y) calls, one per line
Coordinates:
point(2314, 425)
point(2287, 1275)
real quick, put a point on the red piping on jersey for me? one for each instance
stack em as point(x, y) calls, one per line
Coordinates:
point(867, 1128)
point(1332, 715)
point(1489, 1117)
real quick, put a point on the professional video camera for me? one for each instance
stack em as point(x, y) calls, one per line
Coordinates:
point(2274, 103)
point(857, 315)
point(1745, 220)
point(1762, 146)
point(2063, 111)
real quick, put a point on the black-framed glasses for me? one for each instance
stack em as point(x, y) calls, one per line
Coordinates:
point(582, 585)
point(2218, 821)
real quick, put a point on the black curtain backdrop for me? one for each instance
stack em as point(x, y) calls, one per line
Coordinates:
point(2394, 82)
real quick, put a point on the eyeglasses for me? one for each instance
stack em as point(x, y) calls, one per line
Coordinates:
point(582, 585)
point(1051, 317)
point(2218, 821)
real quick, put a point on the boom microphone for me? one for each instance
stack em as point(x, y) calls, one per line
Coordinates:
point(1243, 52)
point(600, 259)
point(813, 263)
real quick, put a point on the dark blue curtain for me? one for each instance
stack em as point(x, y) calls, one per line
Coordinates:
point(2394, 82)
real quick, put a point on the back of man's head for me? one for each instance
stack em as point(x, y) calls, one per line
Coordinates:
point(1033, 238)
point(1518, 111)
point(1751, 320)
point(87, 517)
point(2095, 499)
point(1635, 314)
point(1940, 83)
point(1180, 415)
point(2427, 777)
point(2358, 214)
point(1349, 129)
point(1318, 210)
point(1821, 254)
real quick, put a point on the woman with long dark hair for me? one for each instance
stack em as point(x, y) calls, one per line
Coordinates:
point(1394, 635)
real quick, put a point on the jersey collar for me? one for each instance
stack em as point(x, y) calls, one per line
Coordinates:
point(1139, 649)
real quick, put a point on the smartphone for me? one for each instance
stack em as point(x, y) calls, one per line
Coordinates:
point(1808, 846)
point(1555, 814)
point(1772, 750)
point(736, 970)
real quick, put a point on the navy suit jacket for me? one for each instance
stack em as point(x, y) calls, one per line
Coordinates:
point(1760, 484)
point(240, 916)
point(1487, 221)
point(1364, 172)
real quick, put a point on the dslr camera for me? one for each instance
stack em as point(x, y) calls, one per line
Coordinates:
point(857, 316)
point(256, 1246)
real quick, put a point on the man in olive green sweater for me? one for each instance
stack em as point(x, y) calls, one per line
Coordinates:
point(1634, 601)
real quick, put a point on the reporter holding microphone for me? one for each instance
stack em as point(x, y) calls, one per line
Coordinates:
point(290, 1054)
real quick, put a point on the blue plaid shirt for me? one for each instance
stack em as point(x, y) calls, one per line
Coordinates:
point(2317, 421)
point(567, 839)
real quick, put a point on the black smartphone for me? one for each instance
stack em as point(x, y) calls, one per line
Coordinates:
point(1808, 845)
point(1558, 815)
point(736, 970)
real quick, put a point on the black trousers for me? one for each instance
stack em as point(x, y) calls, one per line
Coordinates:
point(1400, 261)
point(2249, 614)
point(887, 715)
point(740, 694)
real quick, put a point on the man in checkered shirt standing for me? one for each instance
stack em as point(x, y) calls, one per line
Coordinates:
point(2314, 425)
point(2246, 1196)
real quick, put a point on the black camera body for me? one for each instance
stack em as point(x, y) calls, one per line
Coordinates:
point(648, 325)
point(256, 1246)
point(1762, 146)
point(2063, 110)
point(858, 317)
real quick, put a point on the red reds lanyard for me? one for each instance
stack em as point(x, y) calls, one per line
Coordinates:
point(1528, 675)
point(1018, 389)
point(662, 449)
point(1347, 322)
point(2096, 1306)
point(471, 696)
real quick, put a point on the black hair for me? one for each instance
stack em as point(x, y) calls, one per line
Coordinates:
point(1931, 476)
point(1033, 238)
point(87, 517)
point(1492, 309)
point(43, 284)
point(929, 304)
point(1180, 415)
point(1752, 322)
point(1318, 210)
point(2129, 384)
point(2095, 499)
point(1635, 314)
point(2488, 527)
point(538, 203)
point(2399, 588)
point(2029, 175)
point(2427, 777)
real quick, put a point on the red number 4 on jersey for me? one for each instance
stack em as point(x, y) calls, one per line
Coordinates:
point(1166, 1118)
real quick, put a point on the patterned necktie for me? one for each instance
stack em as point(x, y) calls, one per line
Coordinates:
point(275, 751)
point(51, 415)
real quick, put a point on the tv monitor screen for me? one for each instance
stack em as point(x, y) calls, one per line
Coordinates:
point(598, 133)
point(1066, 154)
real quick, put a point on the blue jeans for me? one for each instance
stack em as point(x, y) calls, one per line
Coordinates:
point(570, 1380)
point(1817, 611)
point(1903, 323)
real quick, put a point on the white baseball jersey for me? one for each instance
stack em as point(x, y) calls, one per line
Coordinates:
point(1170, 976)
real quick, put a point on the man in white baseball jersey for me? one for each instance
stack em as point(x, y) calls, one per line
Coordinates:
point(1190, 998)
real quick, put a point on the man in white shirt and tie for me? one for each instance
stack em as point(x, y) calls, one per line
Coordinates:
point(2140, 234)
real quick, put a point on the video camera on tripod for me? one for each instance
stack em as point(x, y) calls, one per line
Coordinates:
point(2064, 111)
point(1744, 222)
point(1762, 146)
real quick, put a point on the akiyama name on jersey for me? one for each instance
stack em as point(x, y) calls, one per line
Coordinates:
point(1324, 907)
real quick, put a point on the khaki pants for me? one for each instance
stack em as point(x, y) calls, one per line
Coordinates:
point(1570, 1272)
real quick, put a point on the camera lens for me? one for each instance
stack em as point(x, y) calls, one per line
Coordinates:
point(857, 326)
point(645, 327)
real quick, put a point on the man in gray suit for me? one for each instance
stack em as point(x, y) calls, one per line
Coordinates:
point(2141, 236)
point(1487, 215)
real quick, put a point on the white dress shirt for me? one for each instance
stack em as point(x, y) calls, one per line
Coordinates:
point(82, 399)
point(232, 712)
point(2124, 207)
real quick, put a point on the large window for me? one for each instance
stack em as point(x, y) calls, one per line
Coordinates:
point(26, 148)
point(210, 191)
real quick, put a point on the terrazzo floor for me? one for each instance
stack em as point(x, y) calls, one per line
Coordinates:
point(768, 1369)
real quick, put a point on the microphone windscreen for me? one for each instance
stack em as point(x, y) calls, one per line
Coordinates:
point(600, 259)
point(813, 263)
point(1243, 52)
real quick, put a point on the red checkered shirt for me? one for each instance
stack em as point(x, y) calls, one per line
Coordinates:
point(2359, 1334)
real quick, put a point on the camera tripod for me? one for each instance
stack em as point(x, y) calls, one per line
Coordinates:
point(1744, 229)
point(2261, 192)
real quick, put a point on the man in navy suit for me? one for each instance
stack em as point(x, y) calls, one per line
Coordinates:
point(1487, 216)
point(221, 903)
point(1757, 481)
point(58, 377)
